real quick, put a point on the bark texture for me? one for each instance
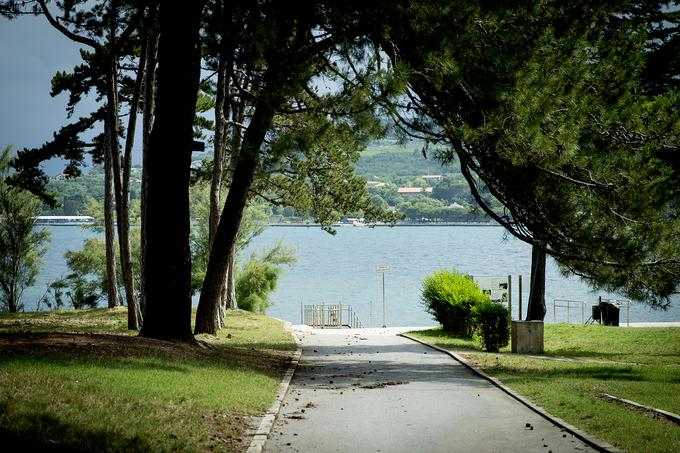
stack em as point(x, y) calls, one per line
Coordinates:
point(109, 230)
point(134, 314)
point(147, 124)
point(207, 319)
point(536, 307)
point(167, 267)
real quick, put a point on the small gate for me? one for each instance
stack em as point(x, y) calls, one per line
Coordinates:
point(330, 316)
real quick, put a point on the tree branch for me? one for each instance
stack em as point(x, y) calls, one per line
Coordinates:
point(65, 31)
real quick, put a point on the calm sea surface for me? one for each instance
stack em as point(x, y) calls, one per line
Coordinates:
point(342, 269)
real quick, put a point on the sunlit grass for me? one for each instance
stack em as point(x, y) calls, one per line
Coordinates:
point(642, 365)
point(98, 320)
point(117, 393)
point(244, 329)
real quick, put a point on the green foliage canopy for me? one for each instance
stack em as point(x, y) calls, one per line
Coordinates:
point(553, 109)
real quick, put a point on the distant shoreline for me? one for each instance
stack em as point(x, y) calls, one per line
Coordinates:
point(431, 224)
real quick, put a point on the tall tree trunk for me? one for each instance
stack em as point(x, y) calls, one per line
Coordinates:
point(147, 123)
point(207, 320)
point(221, 106)
point(121, 190)
point(134, 313)
point(230, 301)
point(238, 116)
point(219, 152)
point(167, 273)
point(223, 102)
point(228, 296)
point(109, 230)
point(536, 306)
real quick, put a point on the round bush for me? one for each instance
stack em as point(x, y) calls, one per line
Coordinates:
point(449, 297)
point(491, 320)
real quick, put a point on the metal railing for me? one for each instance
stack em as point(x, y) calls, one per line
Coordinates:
point(330, 316)
point(572, 306)
point(575, 308)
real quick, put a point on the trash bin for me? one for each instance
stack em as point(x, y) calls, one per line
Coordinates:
point(596, 313)
point(610, 313)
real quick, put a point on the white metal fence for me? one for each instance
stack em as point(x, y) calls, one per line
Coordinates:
point(330, 316)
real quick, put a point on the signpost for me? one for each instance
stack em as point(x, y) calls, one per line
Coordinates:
point(499, 288)
point(382, 268)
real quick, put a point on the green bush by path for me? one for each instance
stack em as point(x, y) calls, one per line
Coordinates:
point(638, 364)
point(449, 297)
point(491, 321)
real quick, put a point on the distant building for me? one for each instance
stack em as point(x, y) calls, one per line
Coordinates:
point(455, 205)
point(414, 190)
point(432, 178)
point(375, 184)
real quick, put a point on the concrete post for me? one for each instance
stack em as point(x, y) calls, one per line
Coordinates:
point(527, 337)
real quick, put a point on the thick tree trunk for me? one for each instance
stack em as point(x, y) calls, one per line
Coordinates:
point(109, 230)
point(536, 307)
point(207, 319)
point(167, 267)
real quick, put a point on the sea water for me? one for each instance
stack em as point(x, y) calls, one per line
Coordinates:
point(341, 268)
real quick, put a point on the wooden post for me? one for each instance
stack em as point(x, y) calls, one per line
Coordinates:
point(520, 297)
point(510, 297)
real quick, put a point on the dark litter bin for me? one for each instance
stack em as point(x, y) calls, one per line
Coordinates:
point(609, 312)
point(596, 313)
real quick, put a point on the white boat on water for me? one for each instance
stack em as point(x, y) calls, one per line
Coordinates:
point(64, 220)
point(351, 221)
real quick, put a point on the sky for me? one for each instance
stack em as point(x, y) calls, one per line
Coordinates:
point(31, 51)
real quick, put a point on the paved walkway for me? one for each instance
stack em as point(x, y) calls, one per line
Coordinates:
point(373, 391)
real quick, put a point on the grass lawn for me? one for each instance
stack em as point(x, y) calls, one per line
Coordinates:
point(80, 381)
point(639, 364)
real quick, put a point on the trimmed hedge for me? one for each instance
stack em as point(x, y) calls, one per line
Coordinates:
point(491, 320)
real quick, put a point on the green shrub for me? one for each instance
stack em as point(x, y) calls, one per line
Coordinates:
point(254, 284)
point(491, 320)
point(449, 297)
point(257, 279)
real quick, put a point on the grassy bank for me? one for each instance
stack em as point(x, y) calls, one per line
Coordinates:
point(80, 381)
point(581, 364)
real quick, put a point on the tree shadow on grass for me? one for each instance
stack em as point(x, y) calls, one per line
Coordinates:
point(580, 371)
point(41, 431)
point(668, 358)
point(124, 352)
point(439, 337)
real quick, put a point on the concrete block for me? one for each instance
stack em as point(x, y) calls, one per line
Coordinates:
point(527, 337)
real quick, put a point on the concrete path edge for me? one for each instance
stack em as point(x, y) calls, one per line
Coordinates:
point(594, 442)
point(267, 422)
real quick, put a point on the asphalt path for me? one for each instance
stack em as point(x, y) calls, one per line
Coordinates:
point(374, 391)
